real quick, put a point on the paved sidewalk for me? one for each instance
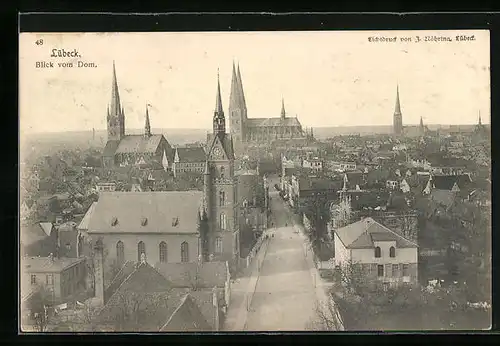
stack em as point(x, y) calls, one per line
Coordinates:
point(242, 290)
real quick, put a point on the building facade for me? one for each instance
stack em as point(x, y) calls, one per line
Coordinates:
point(383, 255)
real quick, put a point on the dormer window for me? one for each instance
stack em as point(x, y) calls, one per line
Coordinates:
point(144, 221)
point(114, 221)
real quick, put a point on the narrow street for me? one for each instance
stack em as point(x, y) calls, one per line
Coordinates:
point(285, 296)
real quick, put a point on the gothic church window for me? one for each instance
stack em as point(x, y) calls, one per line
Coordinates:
point(163, 252)
point(222, 172)
point(218, 245)
point(184, 252)
point(222, 221)
point(141, 249)
point(222, 198)
point(120, 253)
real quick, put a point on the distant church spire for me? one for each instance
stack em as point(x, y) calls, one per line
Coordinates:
point(115, 95)
point(116, 115)
point(480, 122)
point(283, 113)
point(147, 126)
point(234, 99)
point(397, 109)
point(397, 117)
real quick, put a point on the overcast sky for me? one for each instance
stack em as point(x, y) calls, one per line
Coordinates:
point(326, 78)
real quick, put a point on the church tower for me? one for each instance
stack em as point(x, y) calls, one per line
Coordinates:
point(116, 116)
point(237, 110)
point(221, 202)
point(283, 113)
point(398, 117)
point(147, 125)
point(421, 127)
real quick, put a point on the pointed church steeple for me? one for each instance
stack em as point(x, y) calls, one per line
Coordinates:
point(147, 126)
point(115, 116)
point(397, 117)
point(243, 102)
point(397, 109)
point(115, 95)
point(219, 121)
point(283, 113)
point(480, 122)
point(234, 99)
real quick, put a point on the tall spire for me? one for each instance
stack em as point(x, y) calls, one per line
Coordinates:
point(421, 122)
point(234, 99)
point(147, 126)
point(480, 123)
point(397, 109)
point(115, 95)
point(218, 99)
point(283, 113)
point(240, 87)
point(219, 121)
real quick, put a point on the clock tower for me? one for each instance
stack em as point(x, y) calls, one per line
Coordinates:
point(220, 191)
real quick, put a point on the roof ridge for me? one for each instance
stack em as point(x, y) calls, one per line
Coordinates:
point(183, 301)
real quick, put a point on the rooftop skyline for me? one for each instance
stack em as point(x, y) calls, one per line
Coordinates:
point(325, 78)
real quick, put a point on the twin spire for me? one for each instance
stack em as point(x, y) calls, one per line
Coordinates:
point(237, 96)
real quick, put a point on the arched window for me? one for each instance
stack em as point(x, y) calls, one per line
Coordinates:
point(120, 253)
point(222, 198)
point(218, 245)
point(378, 252)
point(222, 172)
point(163, 252)
point(184, 252)
point(222, 221)
point(392, 252)
point(141, 249)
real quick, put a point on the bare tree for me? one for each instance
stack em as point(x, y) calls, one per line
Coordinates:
point(39, 304)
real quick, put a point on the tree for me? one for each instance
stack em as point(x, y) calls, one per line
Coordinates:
point(39, 305)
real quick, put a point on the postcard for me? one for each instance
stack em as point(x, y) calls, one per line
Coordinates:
point(255, 181)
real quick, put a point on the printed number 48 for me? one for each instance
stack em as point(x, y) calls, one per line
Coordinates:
point(39, 42)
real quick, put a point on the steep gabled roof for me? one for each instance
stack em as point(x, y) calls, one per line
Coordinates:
point(274, 121)
point(138, 144)
point(191, 154)
point(187, 318)
point(208, 274)
point(363, 234)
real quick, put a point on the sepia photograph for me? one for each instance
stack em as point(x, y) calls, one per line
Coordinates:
point(256, 181)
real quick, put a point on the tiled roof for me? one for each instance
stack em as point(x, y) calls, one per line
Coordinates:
point(46, 264)
point(191, 154)
point(446, 182)
point(125, 271)
point(204, 300)
point(84, 224)
point(155, 212)
point(209, 274)
point(363, 233)
point(139, 144)
point(187, 318)
point(276, 121)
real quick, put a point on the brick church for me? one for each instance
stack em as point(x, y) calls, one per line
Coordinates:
point(125, 149)
point(172, 226)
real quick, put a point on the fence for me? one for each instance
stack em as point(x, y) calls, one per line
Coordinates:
point(253, 252)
